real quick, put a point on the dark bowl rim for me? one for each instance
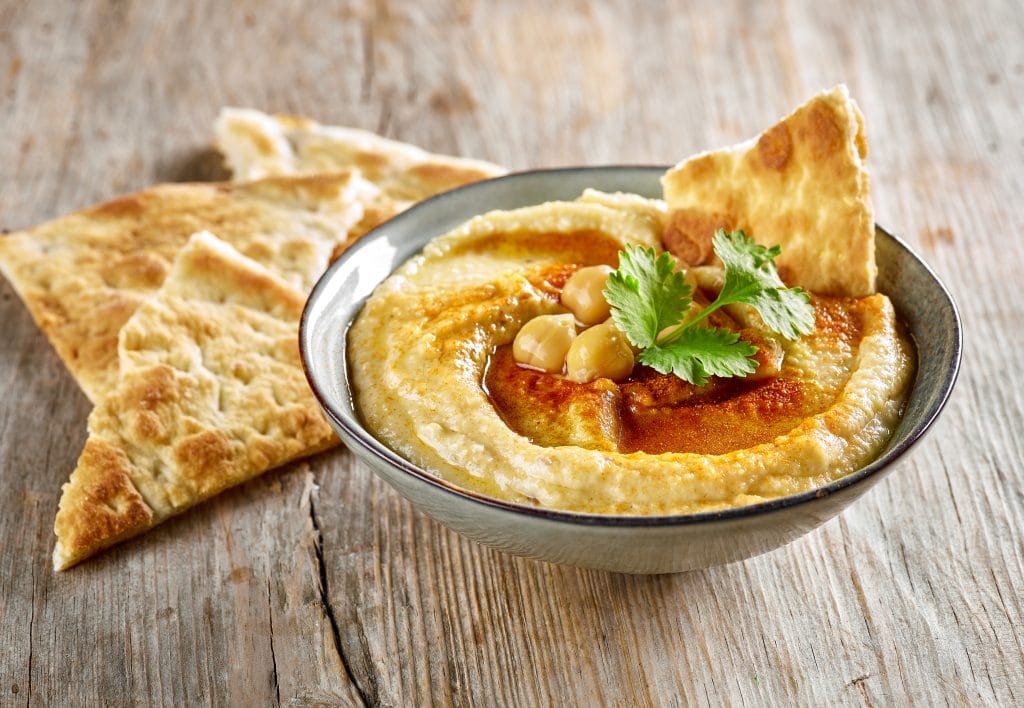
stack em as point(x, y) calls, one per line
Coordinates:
point(371, 445)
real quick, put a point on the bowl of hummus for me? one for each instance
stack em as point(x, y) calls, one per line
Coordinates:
point(599, 367)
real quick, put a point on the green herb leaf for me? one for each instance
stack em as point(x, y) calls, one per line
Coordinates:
point(700, 352)
point(646, 294)
point(752, 279)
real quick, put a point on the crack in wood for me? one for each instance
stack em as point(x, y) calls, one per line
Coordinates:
point(318, 540)
point(273, 654)
point(31, 621)
point(858, 683)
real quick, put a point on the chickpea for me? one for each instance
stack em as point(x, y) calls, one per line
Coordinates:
point(668, 331)
point(695, 305)
point(582, 294)
point(543, 342)
point(599, 352)
point(695, 308)
point(708, 278)
point(769, 354)
point(690, 273)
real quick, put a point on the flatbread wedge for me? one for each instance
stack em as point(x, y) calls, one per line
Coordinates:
point(83, 275)
point(210, 393)
point(256, 144)
point(802, 184)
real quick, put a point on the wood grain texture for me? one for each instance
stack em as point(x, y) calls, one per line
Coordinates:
point(318, 584)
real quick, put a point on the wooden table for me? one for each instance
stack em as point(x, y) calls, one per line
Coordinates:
point(318, 584)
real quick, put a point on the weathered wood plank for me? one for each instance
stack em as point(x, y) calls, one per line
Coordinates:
point(914, 594)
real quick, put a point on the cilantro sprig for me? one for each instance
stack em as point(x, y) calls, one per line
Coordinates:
point(647, 296)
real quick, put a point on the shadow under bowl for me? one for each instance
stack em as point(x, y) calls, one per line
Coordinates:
point(630, 544)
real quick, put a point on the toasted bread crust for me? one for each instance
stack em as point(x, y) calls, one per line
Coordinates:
point(803, 184)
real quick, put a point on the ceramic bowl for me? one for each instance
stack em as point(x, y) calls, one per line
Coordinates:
point(631, 544)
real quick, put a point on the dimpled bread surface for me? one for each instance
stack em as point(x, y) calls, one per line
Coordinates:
point(210, 394)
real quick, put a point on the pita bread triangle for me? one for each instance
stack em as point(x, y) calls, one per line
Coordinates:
point(83, 275)
point(802, 184)
point(256, 144)
point(210, 394)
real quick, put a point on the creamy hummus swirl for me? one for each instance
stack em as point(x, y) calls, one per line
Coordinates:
point(419, 349)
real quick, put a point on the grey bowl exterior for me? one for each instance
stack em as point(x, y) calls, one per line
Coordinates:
point(630, 544)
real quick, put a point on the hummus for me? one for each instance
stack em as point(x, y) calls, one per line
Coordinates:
point(432, 380)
